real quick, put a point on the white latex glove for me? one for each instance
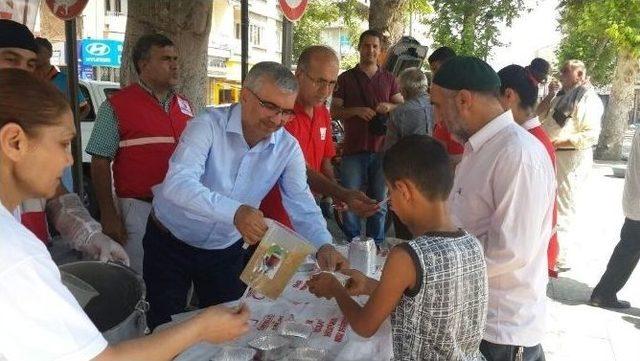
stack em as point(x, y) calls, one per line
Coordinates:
point(83, 233)
point(105, 249)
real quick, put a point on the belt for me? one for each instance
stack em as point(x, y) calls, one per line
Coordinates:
point(565, 149)
point(144, 199)
point(157, 222)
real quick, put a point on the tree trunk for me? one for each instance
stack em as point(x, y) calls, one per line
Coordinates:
point(187, 23)
point(468, 36)
point(387, 17)
point(616, 117)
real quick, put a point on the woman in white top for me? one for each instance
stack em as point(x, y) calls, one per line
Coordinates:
point(40, 319)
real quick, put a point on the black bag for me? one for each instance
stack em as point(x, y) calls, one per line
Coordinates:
point(378, 124)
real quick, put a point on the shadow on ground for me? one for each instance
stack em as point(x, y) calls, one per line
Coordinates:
point(573, 293)
point(633, 320)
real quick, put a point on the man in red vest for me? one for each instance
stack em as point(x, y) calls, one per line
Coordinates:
point(135, 133)
point(317, 72)
point(66, 211)
point(519, 93)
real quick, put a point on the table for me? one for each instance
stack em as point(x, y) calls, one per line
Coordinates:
point(331, 331)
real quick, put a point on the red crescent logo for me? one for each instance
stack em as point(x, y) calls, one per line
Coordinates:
point(295, 12)
point(66, 9)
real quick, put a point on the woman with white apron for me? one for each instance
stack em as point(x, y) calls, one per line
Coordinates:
point(40, 319)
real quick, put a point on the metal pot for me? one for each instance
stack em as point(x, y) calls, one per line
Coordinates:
point(119, 309)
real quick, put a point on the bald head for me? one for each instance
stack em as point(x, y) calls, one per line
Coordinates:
point(316, 53)
point(317, 74)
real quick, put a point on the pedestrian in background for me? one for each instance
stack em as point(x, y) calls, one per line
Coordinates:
point(363, 98)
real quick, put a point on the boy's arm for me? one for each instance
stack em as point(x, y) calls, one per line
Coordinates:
point(399, 274)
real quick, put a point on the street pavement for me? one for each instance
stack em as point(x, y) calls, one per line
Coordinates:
point(575, 330)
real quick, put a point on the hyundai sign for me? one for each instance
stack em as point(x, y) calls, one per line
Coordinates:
point(95, 52)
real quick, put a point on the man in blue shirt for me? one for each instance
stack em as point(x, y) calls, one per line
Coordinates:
point(226, 162)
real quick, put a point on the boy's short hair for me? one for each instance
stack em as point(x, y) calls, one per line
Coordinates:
point(422, 160)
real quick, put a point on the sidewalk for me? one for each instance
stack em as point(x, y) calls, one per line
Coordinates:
point(577, 331)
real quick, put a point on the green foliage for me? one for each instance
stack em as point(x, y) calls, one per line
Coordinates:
point(596, 30)
point(306, 32)
point(353, 14)
point(470, 27)
point(321, 14)
point(350, 60)
point(419, 7)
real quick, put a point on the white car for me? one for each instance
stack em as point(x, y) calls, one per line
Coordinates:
point(95, 92)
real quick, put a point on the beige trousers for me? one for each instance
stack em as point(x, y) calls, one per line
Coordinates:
point(573, 169)
point(134, 215)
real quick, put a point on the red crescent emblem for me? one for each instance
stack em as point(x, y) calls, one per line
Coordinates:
point(66, 9)
point(293, 9)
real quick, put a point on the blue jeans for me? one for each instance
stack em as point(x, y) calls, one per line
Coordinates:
point(359, 170)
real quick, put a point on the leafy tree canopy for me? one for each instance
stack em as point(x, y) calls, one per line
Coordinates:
point(471, 27)
point(596, 30)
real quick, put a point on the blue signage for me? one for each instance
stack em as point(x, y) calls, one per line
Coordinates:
point(101, 52)
point(85, 71)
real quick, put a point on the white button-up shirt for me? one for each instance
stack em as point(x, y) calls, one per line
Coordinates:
point(631, 195)
point(503, 193)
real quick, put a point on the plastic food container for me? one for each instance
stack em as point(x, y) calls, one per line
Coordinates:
point(307, 354)
point(230, 353)
point(270, 347)
point(296, 329)
point(276, 259)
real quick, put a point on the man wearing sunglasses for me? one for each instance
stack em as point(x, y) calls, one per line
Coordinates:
point(573, 124)
point(317, 74)
point(227, 160)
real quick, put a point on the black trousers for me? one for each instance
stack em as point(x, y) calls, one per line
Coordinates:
point(622, 262)
point(495, 352)
point(170, 266)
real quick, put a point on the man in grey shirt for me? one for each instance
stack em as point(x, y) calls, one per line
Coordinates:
point(414, 116)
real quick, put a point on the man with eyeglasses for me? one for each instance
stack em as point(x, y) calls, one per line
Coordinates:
point(317, 72)
point(573, 123)
point(227, 160)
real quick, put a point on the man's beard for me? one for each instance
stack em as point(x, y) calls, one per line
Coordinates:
point(461, 136)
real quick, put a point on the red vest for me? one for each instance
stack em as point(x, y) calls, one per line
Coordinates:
point(34, 217)
point(148, 137)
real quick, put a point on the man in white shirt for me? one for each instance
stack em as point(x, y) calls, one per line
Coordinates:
point(627, 253)
point(503, 193)
point(573, 124)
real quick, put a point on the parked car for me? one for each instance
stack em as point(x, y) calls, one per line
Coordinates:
point(95, 92)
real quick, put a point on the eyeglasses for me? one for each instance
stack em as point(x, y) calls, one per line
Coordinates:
point(276, 110)
point(321, 83)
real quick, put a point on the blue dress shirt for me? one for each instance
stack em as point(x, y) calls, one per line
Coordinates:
point(214, 171)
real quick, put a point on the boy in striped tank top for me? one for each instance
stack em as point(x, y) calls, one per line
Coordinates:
point(434, 287)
